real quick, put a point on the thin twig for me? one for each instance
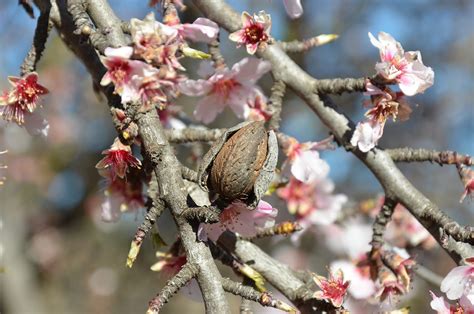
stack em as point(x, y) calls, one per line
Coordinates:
point(263, 298)
point(150, 218)
point(216, 55)
point(305, 45)
point(408, 154)
point(43, 27)
point(381, 222)
point(188, 272)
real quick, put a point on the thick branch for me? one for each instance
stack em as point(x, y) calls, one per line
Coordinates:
point(340, 85)
point(107, 22)
point(84, 26)
point(279, 275)
point(193, 135)
point(275, 103)
point(166, 166)
point(171, 190)
point(408, 154)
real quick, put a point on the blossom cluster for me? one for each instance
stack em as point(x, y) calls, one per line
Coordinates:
point(148, 71)
point(20, 103)
point(406, 69)
point(309, 193)
point(221, 87)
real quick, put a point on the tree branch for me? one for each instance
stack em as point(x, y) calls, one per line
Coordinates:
point(188, 272)
point(456, 240)
point(166, 166)
point(43, 27)
point(275, 103)
point(381, 222)
point(338, 86)
point(193, 135)
point(306, 44)
point(263, 298)
point(447, 157)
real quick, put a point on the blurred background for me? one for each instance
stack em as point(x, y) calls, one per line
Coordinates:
point(57, 256)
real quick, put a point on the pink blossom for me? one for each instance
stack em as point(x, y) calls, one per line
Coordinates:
point(361, 287)
point(406, 68)
point(441, 306)
point(26, 91)
point(259, 110)
point(293, 8)
point(155, 42)
point(385, 104)
point(366, 135)
point(152, 87)
point(117, 160)
point(201, 30)
point(120, 69)
point(314, 202)
point(255, 31)
point(240, 219)
point(333, 290)
point(234, 88)
point(460, 281)
point(21, 101)
point(306, 165)
point(388, 285)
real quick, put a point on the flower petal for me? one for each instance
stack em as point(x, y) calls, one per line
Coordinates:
point(308, 166)
point(202, 30)
point(195, 88)
point(366, 135)
point(208, 108)
point(250, 69)
point(293, 8)
point(455, 281)
point(122, 52)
